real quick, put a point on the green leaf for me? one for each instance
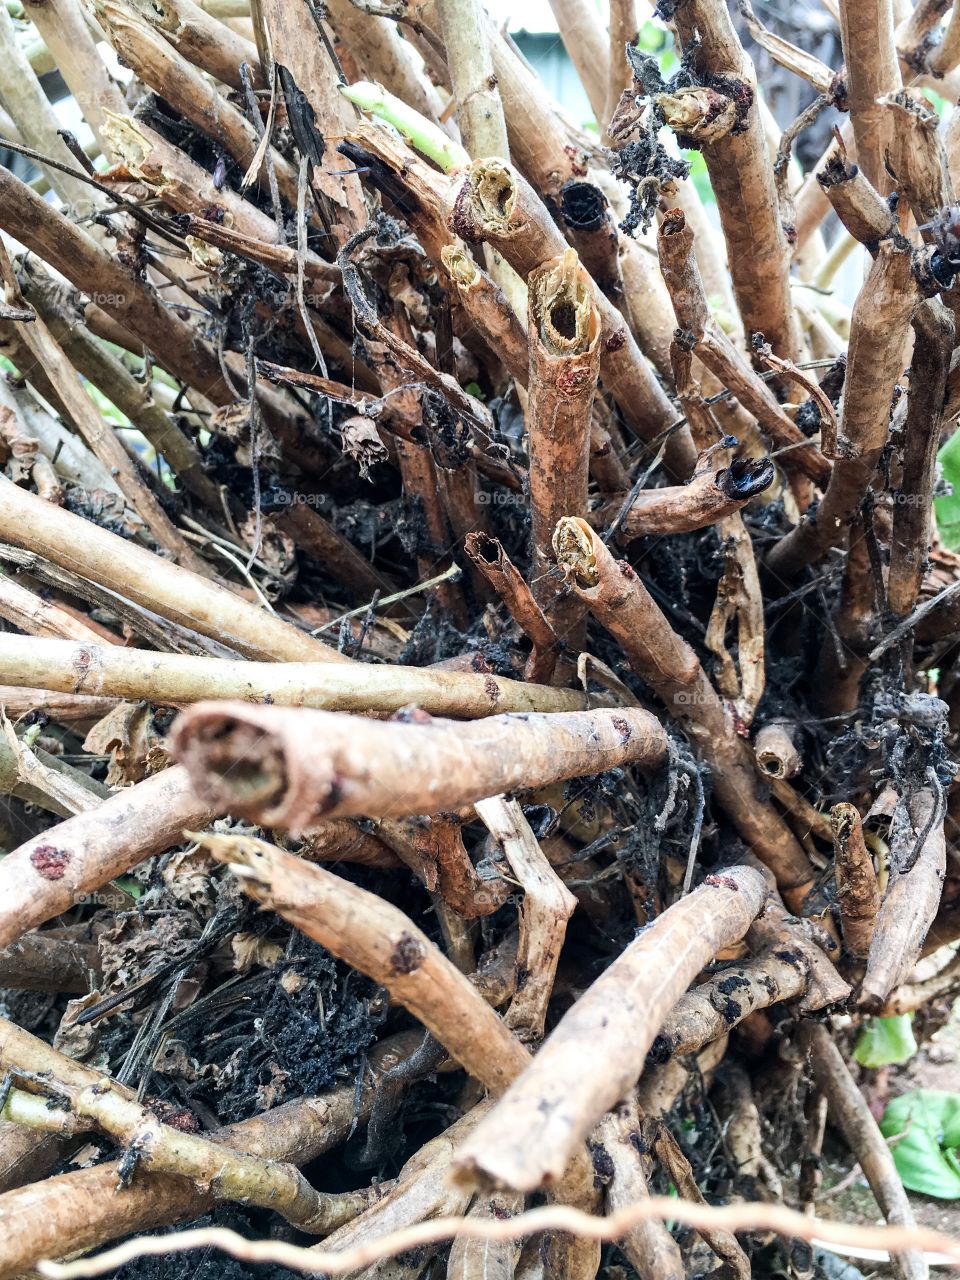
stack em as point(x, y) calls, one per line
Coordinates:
point(926, 1154)
point(948, 508)
point(884, 1041)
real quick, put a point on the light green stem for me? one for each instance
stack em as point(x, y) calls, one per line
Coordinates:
point(414, 128)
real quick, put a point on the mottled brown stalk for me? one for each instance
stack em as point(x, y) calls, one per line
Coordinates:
point(564, 333)
point(708, 341)
point(813, 945)
point(232, 1175)
point(80, 1210)
point(378, 939)
point(47, 875)
point(935, 332)
point(649, 1248)
point(851, 1114)
point(881, 318)
point(503, 575)
point(136, 574)
point(742, 179)
point(621, 604)
point(915, 155)
point(870, 62)
point(716, 1006)
point(709, 497)
point(909, 906)
point(592, 230)
point(293, 767)
point(598, 1049)
point(858, 894)
point(492, 203)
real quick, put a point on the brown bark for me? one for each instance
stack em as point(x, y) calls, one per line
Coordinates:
point(138, 575)
point(870, 60)
point(598, 1049)
point(909, 905)
point(714, 348)
point(712, 1009)
point(493, 562)
point(742, 180)
point(52, 872)
point(379, 940)
point(881, 316)
point(293, 767)
point(492, 203)
point(850, 1112)
point(858, 894)
point(620, 602)
point(80, 1210)
point(709, 497)
point(564, 332)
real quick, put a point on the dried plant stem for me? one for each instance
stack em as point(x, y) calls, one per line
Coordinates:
point(715, 1007)
point(203, 40)
point(67, 540)
point(422, 1191)
point(870, 60)
point(492, 203)
point(98, 434)
point(621, 604)
point(291, 767)
point(858, 893)
point(723, 1243)
point(125, 297)
point(231, 1174)
point(813, 944)
point(547, 906)
point(564, 332)
point(133, 398)
point(850, 1112)
point(90, 667)
point(464, 26)
point(881, 316)
point(742, 180)
point(36, 616)
point(379, 940)
point(934, 326)
point(168, 72)
point(81, 1210)
point(583, 40)
point(649, 1247)
point(493, 562)
point(305, 68)
point(709, 497)
point(34, 117)
point(775, 747)
point(714, 348)
point(909, 907)
point(598, 1050)
point(46, 876)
